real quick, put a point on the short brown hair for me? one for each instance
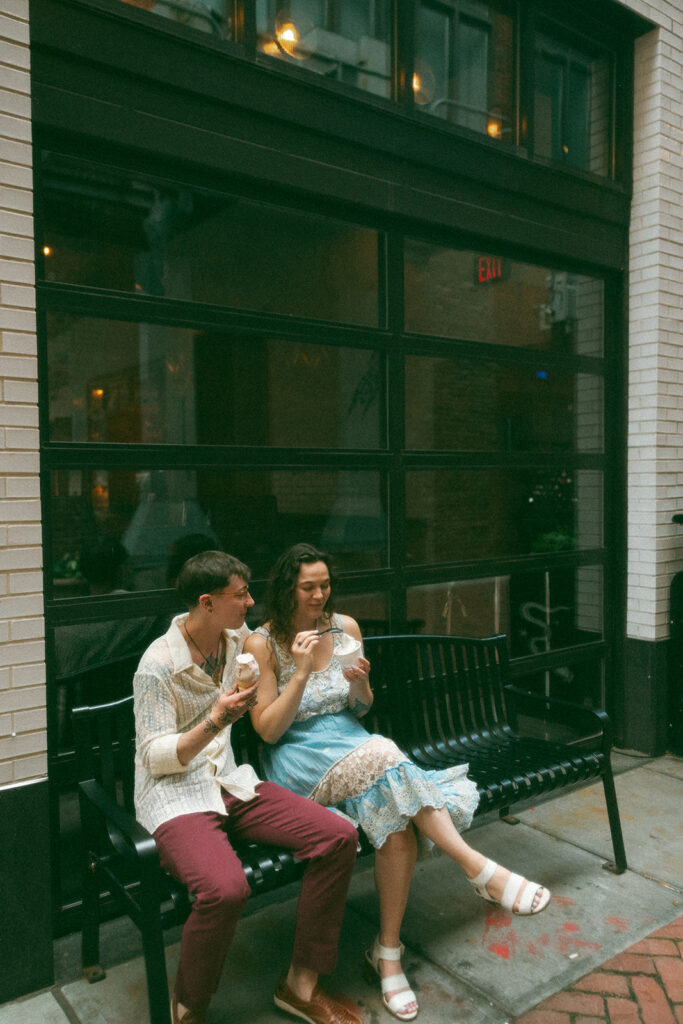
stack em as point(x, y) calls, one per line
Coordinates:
point(207, 572)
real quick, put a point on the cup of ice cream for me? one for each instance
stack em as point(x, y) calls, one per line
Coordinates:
point(348, 650)
point(247, 671)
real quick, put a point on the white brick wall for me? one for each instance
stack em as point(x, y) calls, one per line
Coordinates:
point(22, 631)
point(655, 437)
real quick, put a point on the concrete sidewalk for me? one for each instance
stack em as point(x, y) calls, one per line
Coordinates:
point(468, 961)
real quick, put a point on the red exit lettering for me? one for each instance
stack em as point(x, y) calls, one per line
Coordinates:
point(489, 268)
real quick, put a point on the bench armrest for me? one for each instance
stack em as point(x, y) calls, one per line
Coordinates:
point(593, 720)
point(126, 835)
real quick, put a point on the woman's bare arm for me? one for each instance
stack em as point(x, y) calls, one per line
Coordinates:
point(275, 711)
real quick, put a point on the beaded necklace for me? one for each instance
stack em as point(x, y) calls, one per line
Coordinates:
point(214, 663)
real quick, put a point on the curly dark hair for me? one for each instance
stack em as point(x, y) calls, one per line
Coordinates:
point(280, 602)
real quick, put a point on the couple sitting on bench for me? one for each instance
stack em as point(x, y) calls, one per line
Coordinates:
point(305, 704)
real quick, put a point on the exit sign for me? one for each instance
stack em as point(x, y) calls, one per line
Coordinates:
point(490, 268)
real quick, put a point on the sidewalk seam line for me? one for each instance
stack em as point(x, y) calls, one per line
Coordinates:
point(65, 1005)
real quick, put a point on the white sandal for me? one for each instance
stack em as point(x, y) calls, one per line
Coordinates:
point(511, 891)
point(395, 1004)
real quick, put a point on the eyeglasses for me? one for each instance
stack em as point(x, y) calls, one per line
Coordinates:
point(244, 592)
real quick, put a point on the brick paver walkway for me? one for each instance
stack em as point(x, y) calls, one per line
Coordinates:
point(642, 985)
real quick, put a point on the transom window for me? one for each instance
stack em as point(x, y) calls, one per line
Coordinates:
point(465, 61)
point(499, 70)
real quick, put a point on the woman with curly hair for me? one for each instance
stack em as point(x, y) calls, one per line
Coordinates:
point(308, 711)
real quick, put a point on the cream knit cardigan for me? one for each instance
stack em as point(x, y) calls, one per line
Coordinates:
point(172, 695)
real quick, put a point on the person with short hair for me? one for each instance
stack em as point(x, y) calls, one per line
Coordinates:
point(195, 800)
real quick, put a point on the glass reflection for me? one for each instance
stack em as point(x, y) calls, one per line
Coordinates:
point(212, 16)
point(465, 66)
point(572, 105)
point(467, 514)
point(463, 608)
point(113, 381)
point(455, 293)
point(369, 610)
point(347, 42)
point(481, 405)
point(106, 228)
point(539, 611)
point(582, 683)
point(160, 517)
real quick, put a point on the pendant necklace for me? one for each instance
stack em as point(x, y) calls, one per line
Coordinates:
point(213, 664)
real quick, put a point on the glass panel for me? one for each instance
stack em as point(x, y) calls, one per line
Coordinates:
point(582, 683)
point(456, 293)
point(155, 519)
point(347, 41)
point(538, 611)
point(465, 66)
point(212, 16)
point(371, 611)
point(467, 514)
point(113, 381)
point(106, 228)
point(555, 608)
point(572, 105)
point(463, 608)
point(481, 405)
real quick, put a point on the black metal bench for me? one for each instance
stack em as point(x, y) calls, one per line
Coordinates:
point(444, 700)
point(449, 700)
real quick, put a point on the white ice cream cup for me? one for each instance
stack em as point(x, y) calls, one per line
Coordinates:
point(349, 650)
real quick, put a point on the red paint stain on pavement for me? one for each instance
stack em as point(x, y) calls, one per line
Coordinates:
point(620, 924)
point(531, 949)
point(570, 943)
point(497, 918)
point(563, 901)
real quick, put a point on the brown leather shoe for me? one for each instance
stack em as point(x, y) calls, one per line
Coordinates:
point(189, 1017)
point(321, 1008)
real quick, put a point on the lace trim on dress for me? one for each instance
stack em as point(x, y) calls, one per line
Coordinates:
point(357, 771)
point(394, 800)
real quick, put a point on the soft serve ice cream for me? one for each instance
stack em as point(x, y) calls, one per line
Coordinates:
point(247, 671)
point(348, 650)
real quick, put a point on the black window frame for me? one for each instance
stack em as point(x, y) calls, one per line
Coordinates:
point(577, 22)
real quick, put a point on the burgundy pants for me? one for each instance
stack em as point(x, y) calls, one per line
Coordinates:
point(195, 849)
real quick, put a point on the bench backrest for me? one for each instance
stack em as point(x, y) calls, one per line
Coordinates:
point(430, 690)
point(104, 737)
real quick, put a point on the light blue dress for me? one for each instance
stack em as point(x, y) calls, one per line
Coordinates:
point(327, 755)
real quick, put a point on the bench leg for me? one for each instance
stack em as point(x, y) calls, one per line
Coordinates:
point(618, 866)
point(90, 933)
point(155, 967)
